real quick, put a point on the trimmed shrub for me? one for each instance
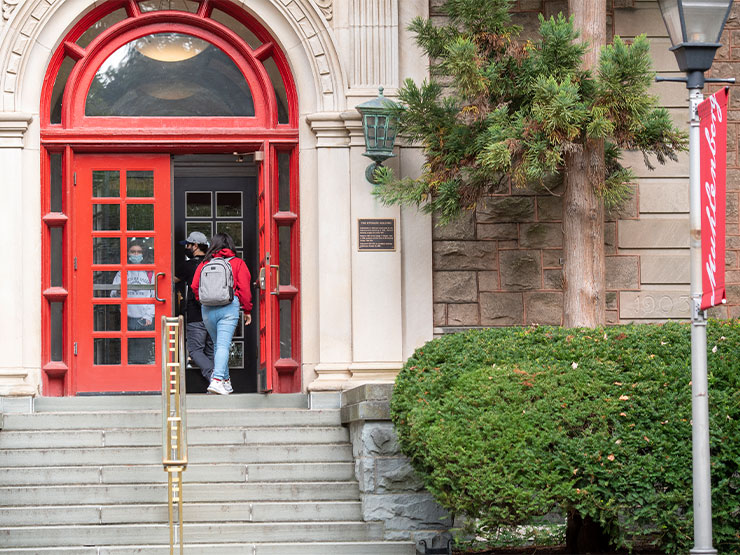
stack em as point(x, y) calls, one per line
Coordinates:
point(506, 425)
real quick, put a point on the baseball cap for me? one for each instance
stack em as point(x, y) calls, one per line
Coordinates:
point(195, 237)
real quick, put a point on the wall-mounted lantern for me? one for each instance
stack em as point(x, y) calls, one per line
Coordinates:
point(380, 125)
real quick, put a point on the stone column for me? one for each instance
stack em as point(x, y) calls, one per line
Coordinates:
point(333, 258)
point(14, 371)
point(377, 307)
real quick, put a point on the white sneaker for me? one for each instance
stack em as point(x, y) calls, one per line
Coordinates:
point(217, 386)
point(227, 386)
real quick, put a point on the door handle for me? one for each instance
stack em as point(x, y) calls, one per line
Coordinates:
point(156, 287)
point(277, 281)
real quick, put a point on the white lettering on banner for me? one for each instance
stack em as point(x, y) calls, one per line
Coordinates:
point(710, 188)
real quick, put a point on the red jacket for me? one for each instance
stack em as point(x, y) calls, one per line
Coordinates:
point(242, 279)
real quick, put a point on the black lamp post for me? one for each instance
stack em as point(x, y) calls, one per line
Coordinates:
point(695, 27)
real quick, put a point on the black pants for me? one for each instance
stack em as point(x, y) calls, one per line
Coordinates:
point(200, 347)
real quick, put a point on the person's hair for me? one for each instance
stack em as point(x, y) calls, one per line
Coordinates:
point(202, 246)
point(136, 243)
point(218, 242)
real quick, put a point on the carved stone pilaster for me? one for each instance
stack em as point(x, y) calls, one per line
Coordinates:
point(373, 26)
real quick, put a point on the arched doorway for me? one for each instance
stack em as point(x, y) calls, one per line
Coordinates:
point(149, 118)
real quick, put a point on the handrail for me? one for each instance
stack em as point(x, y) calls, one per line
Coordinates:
point(174, 422)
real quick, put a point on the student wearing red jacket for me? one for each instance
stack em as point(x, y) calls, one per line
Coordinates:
point(221, 321)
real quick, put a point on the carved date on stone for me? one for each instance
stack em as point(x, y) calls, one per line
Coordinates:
point(8, 8)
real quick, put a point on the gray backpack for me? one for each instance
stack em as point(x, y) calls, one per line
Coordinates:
point(216, 286)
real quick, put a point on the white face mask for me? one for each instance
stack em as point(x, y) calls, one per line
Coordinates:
point(135, 258)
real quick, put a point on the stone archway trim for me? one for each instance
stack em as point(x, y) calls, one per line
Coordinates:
point(24, 21)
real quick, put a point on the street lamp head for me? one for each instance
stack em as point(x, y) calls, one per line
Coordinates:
point(380, 125)
point(695, 27)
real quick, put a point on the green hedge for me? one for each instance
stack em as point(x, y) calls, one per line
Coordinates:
point(508, 424)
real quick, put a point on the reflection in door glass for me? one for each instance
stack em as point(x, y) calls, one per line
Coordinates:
point(285, 262)
point(106, 217)
point(279, 87)
point(58, 92)
point(106, 183)
point(140, 183)
point(141, 350)
point(169, 75)
point(206, 228)
point(286, 329)
point(101, 25)
point(56, 190)
point(175, 5)
point(198, 205)
point(104, 285)
point(236, 354)
point(106, 250)
point(106, 317)
point(284, 181)
point(232, 228)
point(107, 350)
point(238, 27)
point(140, 217)
point(57, 331)
point(57, 248)
point(228, 205)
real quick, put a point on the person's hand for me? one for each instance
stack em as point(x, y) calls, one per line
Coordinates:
point(247, 319)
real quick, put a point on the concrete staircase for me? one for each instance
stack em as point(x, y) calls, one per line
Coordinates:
point(266, 476)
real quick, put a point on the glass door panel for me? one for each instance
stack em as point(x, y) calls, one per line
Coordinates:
point(121, 270)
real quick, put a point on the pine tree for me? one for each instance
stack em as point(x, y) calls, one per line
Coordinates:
point(500, 108)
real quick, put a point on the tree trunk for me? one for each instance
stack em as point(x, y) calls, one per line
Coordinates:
point(584, 301)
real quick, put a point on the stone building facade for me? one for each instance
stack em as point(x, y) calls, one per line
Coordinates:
point(501, 264)
point(354, 316)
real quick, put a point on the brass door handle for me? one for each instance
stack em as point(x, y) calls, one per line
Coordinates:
point(156, 287)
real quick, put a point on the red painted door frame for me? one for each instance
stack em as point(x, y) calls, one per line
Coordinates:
point(97, 309)
point(81, 135)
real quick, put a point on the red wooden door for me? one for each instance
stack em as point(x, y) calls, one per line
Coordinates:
point(122, 264)
point(266, 282)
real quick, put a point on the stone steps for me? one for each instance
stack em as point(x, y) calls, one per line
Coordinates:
point(129, 437)
point(152, 474)
point(221, 492)
point(265, 476)
point(314, 548)
point(212, 454)
point(287, 511)
point(229, 532)
point(152, 419)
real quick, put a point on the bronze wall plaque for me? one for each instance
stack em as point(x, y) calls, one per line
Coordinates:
point(376, 234)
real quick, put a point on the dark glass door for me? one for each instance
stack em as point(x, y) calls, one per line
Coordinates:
point(213, 194)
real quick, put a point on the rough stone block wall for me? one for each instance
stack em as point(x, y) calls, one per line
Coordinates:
point(501, 264)
point(390, 490)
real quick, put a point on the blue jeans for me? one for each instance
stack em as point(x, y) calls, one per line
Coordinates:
point(221, 322)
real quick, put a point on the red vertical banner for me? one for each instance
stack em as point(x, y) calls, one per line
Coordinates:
point(712, 173)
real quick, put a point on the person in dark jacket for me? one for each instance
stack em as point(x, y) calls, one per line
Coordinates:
point(199, 343)
point(221, 321)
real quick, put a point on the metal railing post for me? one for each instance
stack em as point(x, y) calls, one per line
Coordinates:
point(174, 423)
